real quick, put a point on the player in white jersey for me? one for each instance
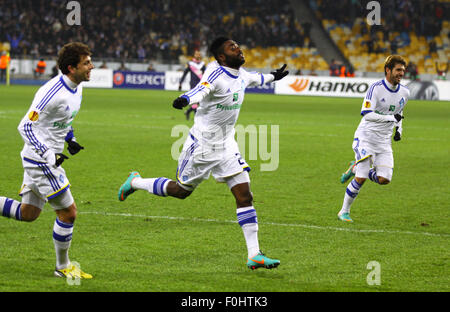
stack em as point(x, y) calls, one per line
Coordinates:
point(44, 129)
point(382, 110)
point(210, 147)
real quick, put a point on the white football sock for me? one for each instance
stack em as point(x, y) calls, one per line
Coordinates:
point(249, 223)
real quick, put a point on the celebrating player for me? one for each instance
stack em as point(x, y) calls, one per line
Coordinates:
point(44, 128)
point(210, 147)
point(196, 67)
point(382, 110)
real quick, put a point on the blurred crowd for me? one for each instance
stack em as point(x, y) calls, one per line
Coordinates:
point(147, 29)
point(422, 17)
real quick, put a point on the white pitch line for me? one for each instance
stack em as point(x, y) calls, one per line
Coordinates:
point(266, 223)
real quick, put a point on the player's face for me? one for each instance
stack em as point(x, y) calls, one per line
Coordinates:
point(396, 74)
point(233, 56)
point(197, 55)
point(83, 70)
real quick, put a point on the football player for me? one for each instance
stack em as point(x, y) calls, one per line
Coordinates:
point(210, 147)
point(382, 111)
point(45, 128)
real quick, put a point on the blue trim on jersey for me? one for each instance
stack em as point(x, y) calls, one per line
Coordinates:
point(194, 91)
point(229, 74)
point(262, 79)
point(49, 96)
point(384, 84)
point(48, 92)
point(186, 97)
point(67, 87)
point(370, 92)
point(213, 76)
point(69, 136)
point(365, 112)
point(33, 140)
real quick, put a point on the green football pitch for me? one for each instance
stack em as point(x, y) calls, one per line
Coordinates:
point(400, 234)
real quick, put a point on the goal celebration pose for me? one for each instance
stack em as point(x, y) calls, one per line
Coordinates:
point(382, 110)
point(210, 147)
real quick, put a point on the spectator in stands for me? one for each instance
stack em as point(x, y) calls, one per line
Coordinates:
point(40, 68)
point(442, 73)
point(334, 68)
point(103, 66)
point(123, 67)
point(412, 72)
point(432, 47)
point(350, 72)
point(342, 70)
point(150, 68)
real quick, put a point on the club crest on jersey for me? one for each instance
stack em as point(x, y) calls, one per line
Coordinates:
point(33, 116)
point(61, 178)
point(402, 102)
point(367, 104)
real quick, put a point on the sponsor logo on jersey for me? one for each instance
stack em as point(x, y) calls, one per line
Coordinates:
point(367, 104)
point(231, 107)
point(62, 125)
point(33, 116)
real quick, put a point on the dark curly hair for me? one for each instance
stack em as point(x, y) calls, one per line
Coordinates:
point(70, 54)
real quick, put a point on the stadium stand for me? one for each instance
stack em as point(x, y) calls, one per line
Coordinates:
point(418, 30)
point(168, 32)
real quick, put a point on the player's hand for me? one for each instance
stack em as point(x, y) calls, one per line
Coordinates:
point(180, 102)
point(280, 73)
point(74, 147)
point(397, 135)
point(398, 117)
point(54, 159)
point(59, 159)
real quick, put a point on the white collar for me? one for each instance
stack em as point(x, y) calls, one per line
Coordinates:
point(69, 82)
point(389, 85)
point(232, 71)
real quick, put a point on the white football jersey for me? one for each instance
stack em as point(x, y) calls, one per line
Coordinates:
point(50, 116)
point(220, 94)
point(381, 99)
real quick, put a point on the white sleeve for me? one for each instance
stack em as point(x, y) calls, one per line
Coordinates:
point(375, 117)
point(29, 128)
point(200, 91)
point(258, 79)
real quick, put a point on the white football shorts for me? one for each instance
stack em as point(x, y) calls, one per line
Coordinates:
point(378, 156)
point(196, 163)
point(46, 182)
